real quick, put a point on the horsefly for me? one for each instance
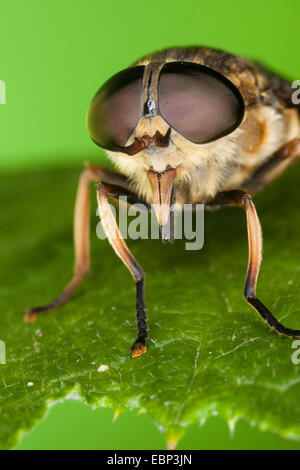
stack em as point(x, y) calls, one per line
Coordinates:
point(191, 125)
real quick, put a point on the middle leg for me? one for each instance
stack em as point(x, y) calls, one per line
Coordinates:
point(81, 234)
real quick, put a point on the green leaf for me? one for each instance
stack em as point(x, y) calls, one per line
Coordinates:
point(208, 353)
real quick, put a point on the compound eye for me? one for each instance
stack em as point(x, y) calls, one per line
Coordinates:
point(198, 102)
point(116, 109)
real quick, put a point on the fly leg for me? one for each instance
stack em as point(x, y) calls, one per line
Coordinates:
point(81, 234)
point(111, 229)
point(274, 166)
point(243, 199)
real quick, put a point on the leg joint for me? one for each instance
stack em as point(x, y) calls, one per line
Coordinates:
point(246, 200)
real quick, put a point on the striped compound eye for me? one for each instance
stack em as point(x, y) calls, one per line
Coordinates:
point(199, 103)
point(116, 109)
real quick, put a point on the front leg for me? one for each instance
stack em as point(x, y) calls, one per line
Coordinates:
point(243, 199)
point(111, 229)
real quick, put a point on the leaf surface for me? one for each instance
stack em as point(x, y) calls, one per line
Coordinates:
point(208, 353)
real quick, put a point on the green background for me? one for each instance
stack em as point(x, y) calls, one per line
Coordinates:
point(54, 55)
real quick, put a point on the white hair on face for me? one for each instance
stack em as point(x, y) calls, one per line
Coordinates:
point(202, 166)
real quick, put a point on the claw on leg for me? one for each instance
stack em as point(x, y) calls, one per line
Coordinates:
point(29, 316)
point(138, 348)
